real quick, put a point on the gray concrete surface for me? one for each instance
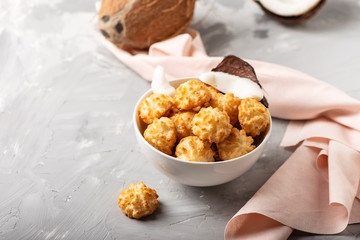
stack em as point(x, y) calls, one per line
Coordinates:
point(67, 145)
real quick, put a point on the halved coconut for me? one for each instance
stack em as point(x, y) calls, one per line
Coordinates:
point(236, 66)
point(291, 11)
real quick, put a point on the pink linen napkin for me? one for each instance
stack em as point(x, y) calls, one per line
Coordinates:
point(317, 189)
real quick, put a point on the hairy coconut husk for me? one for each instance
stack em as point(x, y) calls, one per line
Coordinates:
point(136, 24)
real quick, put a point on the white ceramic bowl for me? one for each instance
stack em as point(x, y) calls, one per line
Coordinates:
point(195, 173)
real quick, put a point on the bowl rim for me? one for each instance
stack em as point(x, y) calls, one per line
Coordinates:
point(137, 131)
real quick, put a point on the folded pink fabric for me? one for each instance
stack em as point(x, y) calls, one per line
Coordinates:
point(182, 56)
point(317, 189)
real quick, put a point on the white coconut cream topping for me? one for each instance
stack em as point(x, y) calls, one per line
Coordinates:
point(288, 8)
point(240, 87)
point(224, 82)
point(159, 83)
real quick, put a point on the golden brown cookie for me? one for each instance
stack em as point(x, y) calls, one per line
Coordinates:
point(253, 116)
point(182, 122)
point(194, 149)
point(155, 106)
point(136, 24)
point(213, 91)
point(236, 145)
point(191, 95)
point(227, 103)
point(211, 124)
point(138, 201)
point(161, 134)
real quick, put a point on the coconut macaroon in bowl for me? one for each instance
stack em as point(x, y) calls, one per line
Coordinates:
point(198, 134)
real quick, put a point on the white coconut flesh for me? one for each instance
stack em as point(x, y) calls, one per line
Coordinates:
point(289, 8)
point(240, 87)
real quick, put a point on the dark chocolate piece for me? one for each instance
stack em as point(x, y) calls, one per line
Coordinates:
point(238, 67)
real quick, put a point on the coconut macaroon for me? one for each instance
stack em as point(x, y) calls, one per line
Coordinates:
point(211, 124)
point(161, 134)
point(253, 116)
point(236, 145)
point(227, 103)
point(191, 95)
point(194, 149)
point(182, 122)
point(138, 201)
point(154, 107)
point(213, 91)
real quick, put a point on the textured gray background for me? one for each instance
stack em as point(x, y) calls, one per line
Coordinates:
point(67, 145)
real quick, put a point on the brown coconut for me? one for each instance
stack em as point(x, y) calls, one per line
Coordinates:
point(136, 24)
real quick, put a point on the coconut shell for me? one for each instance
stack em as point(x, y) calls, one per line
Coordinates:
point(293, 19)
point(136, 24)
point(238, 67)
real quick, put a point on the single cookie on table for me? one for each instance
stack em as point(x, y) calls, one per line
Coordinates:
point(211, 124)
point(191, 95)
point(236, 145)
point(182, 122)
point(194, 149)
point(227, 103)
point(154, 107)
point(138, 201)
point(161, 134)
point(253, 116)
